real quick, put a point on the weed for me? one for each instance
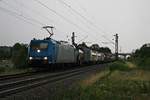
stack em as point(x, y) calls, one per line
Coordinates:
point(119, 65)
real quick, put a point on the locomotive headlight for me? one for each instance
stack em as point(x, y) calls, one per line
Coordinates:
point(30, 58)
point(45, 58)
point(38, 51)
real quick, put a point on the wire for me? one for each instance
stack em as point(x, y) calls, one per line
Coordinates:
point(36, 12)
point(83, 17)
point(21, 15)
point(82, 39)
point(61, 16)
point(18, 16)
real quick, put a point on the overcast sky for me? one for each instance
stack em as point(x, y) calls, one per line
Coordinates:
point(21, 21)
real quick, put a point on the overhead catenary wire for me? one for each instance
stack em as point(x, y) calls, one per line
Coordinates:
point(64, 18)
point(21, 18)
point(77, 1)
point(7, 4)
point(81, 6)
point(76, 12)
point(36, 12)
point(21, 15)
point(18, 16)
point(67, 20)
point(83, 17)
point(61, 16)
point(33, 11)
point(58, 14)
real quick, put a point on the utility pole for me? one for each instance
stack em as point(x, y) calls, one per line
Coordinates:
point(116, 46)
point(73, 39)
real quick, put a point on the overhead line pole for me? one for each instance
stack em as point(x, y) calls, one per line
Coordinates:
point(73, 39)
point(116, 46)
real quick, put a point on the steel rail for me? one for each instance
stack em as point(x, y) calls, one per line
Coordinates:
point(21, 85)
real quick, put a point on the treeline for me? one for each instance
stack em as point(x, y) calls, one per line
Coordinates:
point(96, 47)
point(17, 54)
point(142, 56)
point(5, 52)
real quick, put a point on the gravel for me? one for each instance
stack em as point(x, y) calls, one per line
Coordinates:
point(50, 91)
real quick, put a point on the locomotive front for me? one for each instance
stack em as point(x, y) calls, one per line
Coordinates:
point(41, 52)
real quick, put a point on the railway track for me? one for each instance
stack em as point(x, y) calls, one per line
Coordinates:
point(6, 77)
point(12, 76)
point(21, 84)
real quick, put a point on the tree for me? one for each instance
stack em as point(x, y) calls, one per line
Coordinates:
point(104, 50)
point(142, 56)
point(82, 45)
point(95, 47)
point(144, 51)
point(5, 52)
point(19, 54)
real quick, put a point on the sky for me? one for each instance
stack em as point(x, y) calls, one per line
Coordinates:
point(93, 21)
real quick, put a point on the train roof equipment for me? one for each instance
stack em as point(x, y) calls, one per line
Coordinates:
point(50, 33)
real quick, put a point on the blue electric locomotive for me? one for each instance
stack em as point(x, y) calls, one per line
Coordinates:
point(49, 51)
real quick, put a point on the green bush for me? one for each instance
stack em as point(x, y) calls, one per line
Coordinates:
point(118, 65)
point(19, 55)
point(2, 69)
point(141, 57)
point(143, 63)
point(147, 62)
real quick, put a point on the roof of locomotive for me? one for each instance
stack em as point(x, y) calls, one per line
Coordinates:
point(45, 39)
point(51, 40)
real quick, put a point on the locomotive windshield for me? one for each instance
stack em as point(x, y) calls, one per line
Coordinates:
point(40, 46)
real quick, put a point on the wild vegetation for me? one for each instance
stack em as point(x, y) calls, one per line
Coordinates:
point(95, 47)
point(120, 81)
point(19, 55)
point(141, 57)
point(13, 59)
point(5, 52)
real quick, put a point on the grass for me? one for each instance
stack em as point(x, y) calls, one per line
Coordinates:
point(93, 78)
point(122, 81)
point(135, 75)
point(119, 65)
point(107, 89)
point(142, 63)
point(7, 68)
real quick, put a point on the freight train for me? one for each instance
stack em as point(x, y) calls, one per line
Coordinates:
point(51, 52)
